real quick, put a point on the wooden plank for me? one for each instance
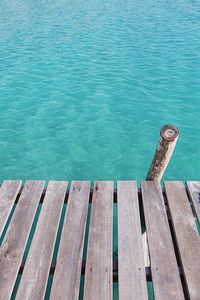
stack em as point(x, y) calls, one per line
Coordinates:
point(35, 274)
point(8, 194)
point(12, 249)
point(186, 234)
point(131, 269)
point(165, 273)
point(98, 275)
point(68, 267)
point(194, 192)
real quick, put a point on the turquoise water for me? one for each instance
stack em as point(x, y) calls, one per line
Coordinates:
point(86, 85)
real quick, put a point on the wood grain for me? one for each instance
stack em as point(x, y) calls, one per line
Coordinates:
point(68, 267)
point(186, 234)
point(131, 269)
point(35, 274)
point(12, 249)
point(8, 193)
point(98, 275)
point(165, 273)
point(194, 192)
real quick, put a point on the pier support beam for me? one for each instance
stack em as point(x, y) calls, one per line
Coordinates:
point(168, 138)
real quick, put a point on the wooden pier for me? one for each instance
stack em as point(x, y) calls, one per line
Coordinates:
point(169, 216)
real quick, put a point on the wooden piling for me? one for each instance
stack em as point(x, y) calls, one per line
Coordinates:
point(168, 138)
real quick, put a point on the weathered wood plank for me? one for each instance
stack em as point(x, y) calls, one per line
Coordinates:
point(8, 194)
point(98, 275)
point(12, 249)
point(35, 274)
point(68, 267)
point(131, 269)
point(165, 274)
point(194, 192)
point(186, 234)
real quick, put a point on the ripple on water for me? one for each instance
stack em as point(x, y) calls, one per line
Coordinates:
point(86, 86)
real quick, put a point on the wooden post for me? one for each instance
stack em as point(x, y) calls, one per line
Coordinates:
point(168, 138)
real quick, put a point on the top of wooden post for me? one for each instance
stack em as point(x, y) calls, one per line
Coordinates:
point(169, 132)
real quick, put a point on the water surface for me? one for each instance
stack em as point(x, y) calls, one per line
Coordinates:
point(86, 85)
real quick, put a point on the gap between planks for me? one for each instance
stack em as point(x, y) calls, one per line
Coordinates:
point(90, 200)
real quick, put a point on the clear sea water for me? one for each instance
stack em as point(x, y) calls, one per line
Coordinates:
point(86, 85)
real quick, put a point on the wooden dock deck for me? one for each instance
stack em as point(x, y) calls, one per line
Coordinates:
point(30, 219)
